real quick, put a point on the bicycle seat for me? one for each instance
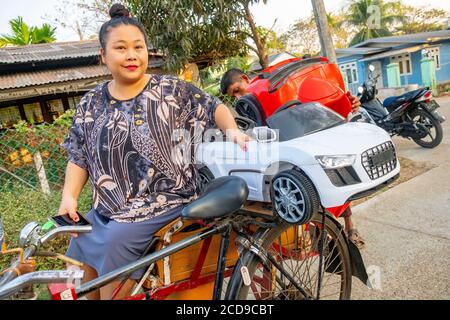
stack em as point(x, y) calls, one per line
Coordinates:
point(221, 196)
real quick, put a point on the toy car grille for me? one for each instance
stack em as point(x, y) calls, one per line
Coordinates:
point(343, 176)
point(380, 160)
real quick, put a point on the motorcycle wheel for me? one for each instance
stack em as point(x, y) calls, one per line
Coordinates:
point(432, 125)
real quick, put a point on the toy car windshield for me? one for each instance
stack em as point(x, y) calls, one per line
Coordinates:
point(303, 119)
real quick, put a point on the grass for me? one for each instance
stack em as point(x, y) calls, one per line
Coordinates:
point(21, 205)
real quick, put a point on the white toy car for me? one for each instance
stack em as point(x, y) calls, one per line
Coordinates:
point(307, 157)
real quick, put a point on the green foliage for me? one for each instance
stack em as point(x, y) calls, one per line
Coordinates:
point(22, 34)
point(421, 19)
point(272, 42)
point(65, 120)
point(18, 146)
point(302, 37)
point(210, 76)
point(372, 18)
point(21, 205)
point(197, 31)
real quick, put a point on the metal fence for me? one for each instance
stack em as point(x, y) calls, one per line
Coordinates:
point(33, 157)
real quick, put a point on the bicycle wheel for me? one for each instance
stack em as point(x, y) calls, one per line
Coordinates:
point(296, 250)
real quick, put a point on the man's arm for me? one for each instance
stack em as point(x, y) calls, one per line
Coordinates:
point(356, 104)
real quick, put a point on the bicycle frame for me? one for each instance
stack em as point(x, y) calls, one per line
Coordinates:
point(221, 227)
point(224, 227)
point(55, 277)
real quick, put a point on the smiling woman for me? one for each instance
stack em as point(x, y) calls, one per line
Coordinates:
point(122, 139)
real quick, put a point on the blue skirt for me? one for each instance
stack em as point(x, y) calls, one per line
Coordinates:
point(111, 245)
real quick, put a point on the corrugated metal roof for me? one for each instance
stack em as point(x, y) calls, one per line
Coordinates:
point(352, 50)
point(50, 51)
point(26, 79)
point(391, 53)
point(422, 37)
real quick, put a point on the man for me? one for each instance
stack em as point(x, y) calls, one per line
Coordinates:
point(234, 83)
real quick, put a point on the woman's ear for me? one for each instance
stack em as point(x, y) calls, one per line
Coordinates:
point(102, 55)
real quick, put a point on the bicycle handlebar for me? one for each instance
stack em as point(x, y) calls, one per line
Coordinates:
point(66, 229)
point(32, 246)
point(50, 276)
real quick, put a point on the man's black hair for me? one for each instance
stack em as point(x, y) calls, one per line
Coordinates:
point(231, 76)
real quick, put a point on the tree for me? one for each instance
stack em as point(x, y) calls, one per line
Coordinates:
point(198, 31)
point(77, 18)
point(259, 41)
point(22, 34)
point(341, 35)
point(421, 19)
point(302, 37)
point(372, 18)
point(272, 42)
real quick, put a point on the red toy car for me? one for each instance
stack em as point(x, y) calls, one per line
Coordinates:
point(304, 80)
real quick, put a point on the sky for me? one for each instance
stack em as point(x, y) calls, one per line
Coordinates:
point(285, 11)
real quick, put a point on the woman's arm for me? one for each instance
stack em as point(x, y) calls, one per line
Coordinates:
point(225, 122)
point(75, 180)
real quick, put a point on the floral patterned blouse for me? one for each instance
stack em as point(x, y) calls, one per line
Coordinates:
point(139, 152)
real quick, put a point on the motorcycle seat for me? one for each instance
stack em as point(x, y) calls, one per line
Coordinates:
point(393, 102)
point(221, 197)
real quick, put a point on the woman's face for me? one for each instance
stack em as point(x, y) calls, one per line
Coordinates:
point(126, 54)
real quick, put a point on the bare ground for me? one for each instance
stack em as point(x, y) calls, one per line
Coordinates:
point(409, 169)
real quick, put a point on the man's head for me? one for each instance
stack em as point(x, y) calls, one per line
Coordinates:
point(234, 83)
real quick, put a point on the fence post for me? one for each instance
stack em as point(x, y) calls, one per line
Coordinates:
point(41, 172)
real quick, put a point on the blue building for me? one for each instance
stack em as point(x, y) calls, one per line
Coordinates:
point(406, 50)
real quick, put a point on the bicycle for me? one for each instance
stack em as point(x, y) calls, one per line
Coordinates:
point(241, 253)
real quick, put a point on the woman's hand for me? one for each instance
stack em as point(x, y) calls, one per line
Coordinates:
point(237, 136)
point(69, 205)
point(225, 122)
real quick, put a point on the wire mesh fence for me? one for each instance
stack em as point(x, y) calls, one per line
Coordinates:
point(33, 157)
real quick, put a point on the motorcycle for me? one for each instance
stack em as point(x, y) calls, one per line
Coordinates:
point(411, 115)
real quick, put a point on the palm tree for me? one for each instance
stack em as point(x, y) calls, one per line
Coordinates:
point(372, 18)
point(22, 34)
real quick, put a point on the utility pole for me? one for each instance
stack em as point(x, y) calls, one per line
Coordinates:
point(326, 42)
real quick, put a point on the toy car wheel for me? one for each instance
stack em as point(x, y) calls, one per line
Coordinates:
point(294, 198)
point(205, 177)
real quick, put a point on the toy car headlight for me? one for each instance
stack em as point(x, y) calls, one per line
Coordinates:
point(333, 162)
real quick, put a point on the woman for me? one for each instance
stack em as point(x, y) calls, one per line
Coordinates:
point(123, 138)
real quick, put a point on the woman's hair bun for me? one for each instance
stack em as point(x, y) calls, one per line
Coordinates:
point(118, 10)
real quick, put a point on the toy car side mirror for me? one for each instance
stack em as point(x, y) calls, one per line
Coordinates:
point(264, 134)
point(244, 123)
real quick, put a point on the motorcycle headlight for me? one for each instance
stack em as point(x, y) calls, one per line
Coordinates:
point(338, 161)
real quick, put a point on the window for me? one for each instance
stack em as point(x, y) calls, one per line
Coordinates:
point(404, 63)
point(9, 116)
point(435, 54)
point(73, 101)
point(351, 72)
point(56, 108)
point(33, 112)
